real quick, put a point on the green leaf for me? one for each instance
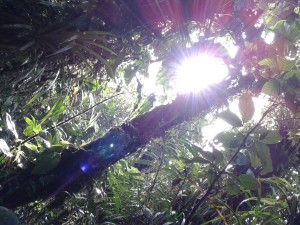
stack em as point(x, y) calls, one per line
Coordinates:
point(293, 73)
point(47, 163)
point(254, 160)
point(264, 155)
point(101, 59)
point(146, 105)
point(28, 131)
point(284, 64)
point(31, 146)
point(144, 162)
point(37, 129)
point(195, 160)
point(249, 182)
point(246, 107)
point(229, 139)
point(271, 137)
point(271, 63)
point(271, 88)
point(294, 31)
point(4, 148)
point(232, 188)
point(231, 118)
point(29, 121)
point(56, 110)
point(205, 154)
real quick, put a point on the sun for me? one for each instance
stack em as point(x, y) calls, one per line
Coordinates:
point(199, 72)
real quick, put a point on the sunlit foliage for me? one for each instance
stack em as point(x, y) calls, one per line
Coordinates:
point(74, 71)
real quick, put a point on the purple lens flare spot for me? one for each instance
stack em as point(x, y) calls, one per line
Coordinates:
point(84, 168)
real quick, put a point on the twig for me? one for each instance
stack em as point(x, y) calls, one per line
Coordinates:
point(67, 120)
point(210, 188)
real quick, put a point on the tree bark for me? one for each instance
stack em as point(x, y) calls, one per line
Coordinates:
point(78, 167)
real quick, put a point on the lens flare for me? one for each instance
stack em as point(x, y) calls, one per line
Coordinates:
point(197, 73)
point(84, 168)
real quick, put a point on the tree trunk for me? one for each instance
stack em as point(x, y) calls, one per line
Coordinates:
point(78, 166)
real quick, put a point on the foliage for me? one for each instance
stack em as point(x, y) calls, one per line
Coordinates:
point(72, 70)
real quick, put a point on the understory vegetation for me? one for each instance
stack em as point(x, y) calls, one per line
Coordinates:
point(96, 128)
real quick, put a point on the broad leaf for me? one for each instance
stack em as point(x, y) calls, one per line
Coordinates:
point(4, 148)
point(205, 154)
point(232, 188)
point(293, 73)
point(28, 131)
point(231, 118)
point(229, 139)
point(248, 181)
point(271, 63)
point(264, 155)
point(29, 121)
point(246, 107)
point(284, 64)
point(271, 137)
point(254, 160)
point(271, 88)
point(195, 160)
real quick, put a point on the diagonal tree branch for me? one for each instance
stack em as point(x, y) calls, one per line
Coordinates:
point(77, 167)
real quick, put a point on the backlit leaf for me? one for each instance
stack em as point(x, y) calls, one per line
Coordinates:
point(29, 121)
point(229, 139)
point(28, 131)
point(254, 160)
point(284, 64)
point(271, 137)
point(246, 107)
point(271, 63)
point(271, 88)
point(4, 148)
point(231, 118)
point(11, 125)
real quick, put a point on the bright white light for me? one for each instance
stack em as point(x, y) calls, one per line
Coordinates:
point(268, 37)
point(197, 73)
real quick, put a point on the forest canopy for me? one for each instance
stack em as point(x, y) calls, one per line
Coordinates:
point(149, 112)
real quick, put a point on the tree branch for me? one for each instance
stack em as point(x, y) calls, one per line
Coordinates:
point(78, 166)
